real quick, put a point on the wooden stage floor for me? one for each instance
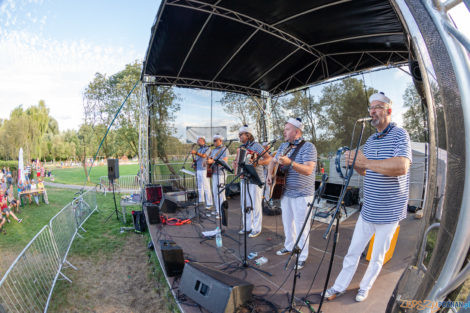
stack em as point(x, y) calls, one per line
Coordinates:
point(275, 288)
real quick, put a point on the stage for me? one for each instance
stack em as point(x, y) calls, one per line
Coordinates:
point(274, 290)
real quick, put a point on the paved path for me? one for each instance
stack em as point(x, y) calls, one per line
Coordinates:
point(57, 185)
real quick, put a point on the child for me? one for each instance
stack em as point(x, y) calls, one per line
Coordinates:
point(13, 204)
point(6, 210)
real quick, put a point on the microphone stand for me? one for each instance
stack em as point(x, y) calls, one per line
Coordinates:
point(337, 216)
point(296, 250)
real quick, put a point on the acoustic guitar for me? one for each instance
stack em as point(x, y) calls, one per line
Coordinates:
point(279, 178)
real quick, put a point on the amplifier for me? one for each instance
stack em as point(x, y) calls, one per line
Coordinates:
point(172, 257)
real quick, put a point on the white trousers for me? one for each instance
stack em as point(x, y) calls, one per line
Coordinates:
point(294, 211)
point(362, 234)
point(254, 219)
point(216, 180)
point(203, 187)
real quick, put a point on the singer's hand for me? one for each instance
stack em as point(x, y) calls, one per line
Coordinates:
point(210, 161)
point(361, 159)
point(193, 151)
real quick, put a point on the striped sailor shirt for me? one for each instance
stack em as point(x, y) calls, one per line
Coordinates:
point(218, 169)
point(256, 148)
point(386, 197)
point(298, 185)
point(201, 165)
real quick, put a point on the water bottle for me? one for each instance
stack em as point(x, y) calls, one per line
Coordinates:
point(218, 237)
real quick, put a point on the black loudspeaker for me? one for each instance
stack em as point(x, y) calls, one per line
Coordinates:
point(113, 169)
point(153, 212)
point(213, 290)
point(168, 206)
point(172, 257)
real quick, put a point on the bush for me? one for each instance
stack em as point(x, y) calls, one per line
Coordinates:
point(13, 165)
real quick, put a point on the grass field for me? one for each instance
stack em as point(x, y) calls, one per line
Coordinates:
point(34, 218)
point(76, 175)
point(102, 243)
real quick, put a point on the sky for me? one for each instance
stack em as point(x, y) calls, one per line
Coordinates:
point(50, 50)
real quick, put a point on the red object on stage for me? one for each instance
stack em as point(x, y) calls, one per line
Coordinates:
point(154, 193)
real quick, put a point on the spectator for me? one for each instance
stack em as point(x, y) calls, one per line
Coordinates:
point(6, 210)
point(34, 187)
point(1, 175)
point(28, 188)
point(3, 185)
point(41, 187)
point(12, 202)
point(9, 177)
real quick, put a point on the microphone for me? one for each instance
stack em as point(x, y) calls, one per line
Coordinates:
point(274, 140)
point(364, 119)
point(231, 140)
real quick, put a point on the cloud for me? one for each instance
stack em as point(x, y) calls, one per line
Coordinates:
point(34, 67)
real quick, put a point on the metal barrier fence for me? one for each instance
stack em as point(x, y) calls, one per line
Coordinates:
point(160, 175)
point(28, 284)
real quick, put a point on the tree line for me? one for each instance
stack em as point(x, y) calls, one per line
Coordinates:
point(329, 119)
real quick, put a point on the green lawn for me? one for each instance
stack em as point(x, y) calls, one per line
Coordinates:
point(76, 175)
point(34, 218)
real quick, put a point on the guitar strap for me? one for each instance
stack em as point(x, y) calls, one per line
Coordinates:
point(294, 154)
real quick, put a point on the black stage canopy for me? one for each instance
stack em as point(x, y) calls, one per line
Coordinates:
point(249, 46)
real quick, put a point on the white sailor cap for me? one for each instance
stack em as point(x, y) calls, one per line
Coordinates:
point(217, 136)
point(201, 137)
point(245, 129)
point(380, 96)
point(297, 122)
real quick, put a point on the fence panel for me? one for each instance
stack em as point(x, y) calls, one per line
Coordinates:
point(28, 283)
point(64, 227)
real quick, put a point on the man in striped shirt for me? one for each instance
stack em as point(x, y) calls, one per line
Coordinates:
point(299, 188)
point(385, 163)
point(218, 173)
point(203, 182)
point(253, 199)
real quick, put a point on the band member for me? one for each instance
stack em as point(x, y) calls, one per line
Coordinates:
point(203, 182)
point(253, 197)
point(385, 165)
point(218, 172)
point(299, 188)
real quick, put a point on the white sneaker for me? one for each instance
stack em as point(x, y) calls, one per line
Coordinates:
point(362, 295)
point(332, 293)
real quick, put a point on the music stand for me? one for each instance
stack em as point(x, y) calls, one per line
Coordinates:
point(250, 175)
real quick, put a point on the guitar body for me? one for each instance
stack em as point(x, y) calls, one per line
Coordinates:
point(209, 171)
point(279, 183)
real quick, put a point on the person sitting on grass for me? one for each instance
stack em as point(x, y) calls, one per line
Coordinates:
point(41, 187)
point(12, 202)
point(6, 210)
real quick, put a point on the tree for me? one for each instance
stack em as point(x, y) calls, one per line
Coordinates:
point(247, 109)
point(162, 111)
point(302, 105)
point(102, 99)
point(342, 104)
point(414, 118)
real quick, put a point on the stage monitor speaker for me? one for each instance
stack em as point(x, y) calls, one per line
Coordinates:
point(153, 212)
point(173, 259)
point(113, 169)
point(213, 290)
point(168, 206)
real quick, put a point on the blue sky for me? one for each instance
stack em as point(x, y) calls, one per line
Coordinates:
point(51, 49)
